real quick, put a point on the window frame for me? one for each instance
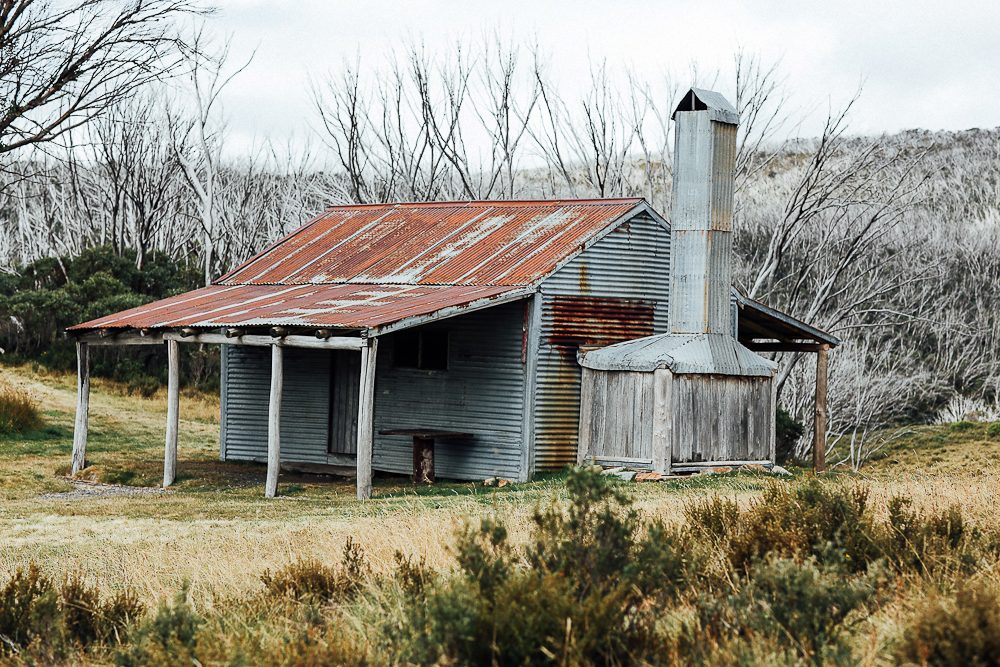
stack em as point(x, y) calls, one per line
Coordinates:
point(421, 335)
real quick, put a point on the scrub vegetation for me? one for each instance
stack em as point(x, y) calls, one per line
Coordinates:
point(897, 565)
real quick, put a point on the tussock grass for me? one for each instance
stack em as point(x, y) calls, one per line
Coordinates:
point(19, 412)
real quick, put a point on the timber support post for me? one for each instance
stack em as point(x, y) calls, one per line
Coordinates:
point(366, 413)
point(173, 405)
point(82, 407)
point(820, 421)
point(274, 422)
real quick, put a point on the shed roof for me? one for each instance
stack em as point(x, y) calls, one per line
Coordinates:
point(717, 354)
point(370, 266)
point(758, 320)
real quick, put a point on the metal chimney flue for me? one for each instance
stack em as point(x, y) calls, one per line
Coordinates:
point(701, 219)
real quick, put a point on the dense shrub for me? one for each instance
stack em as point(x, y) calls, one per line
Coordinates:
point(964, 630)
point(51, 294)
point(582, 592)
point(170, 637)
point(781, 608)
point(37, 614)
point(925, 543)
point(789, 580)
point(787, 434)
point(312, 580)
point(808, 520)
point(834, 526)
point(18, 410)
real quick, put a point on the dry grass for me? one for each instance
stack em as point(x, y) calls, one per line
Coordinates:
point(217, 532)
point(18, 410)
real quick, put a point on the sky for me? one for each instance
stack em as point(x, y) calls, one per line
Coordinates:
point(919, 64)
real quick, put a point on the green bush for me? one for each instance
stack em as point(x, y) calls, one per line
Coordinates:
point(46, 297)
point(170, 637)
point(18, 411)
point(808, 520)
point(781, 608)
point(834, 526)
point(993, 430)
point(964, 630)
point(581, 592)
point(50, 620)
point(311, 580)
point(787, 433)
point(926, 543)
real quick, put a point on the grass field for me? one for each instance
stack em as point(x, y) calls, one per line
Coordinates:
point(215, 532)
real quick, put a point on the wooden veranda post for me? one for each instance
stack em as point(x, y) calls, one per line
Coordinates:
point(82, 406)
point(366, 413)
point(819, 426)
point(173, 405)
point(274, 422)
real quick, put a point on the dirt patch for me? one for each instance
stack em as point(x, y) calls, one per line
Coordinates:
point(83, 490)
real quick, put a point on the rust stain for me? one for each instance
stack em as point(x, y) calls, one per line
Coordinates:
point(579, 321)
point(597, 321)
point(584, 279)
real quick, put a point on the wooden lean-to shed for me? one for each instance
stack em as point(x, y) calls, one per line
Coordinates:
point(694, 395)
point(375, 336)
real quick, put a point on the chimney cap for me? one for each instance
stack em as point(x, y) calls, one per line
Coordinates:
point(718, 107)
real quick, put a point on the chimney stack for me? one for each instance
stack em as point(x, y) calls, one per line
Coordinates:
point(701, 216)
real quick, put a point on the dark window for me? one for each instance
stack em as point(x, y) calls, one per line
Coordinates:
point(406, 350)
point(434, 350)
point(425, 350)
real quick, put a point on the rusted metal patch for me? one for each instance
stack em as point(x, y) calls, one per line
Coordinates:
point(596, 321)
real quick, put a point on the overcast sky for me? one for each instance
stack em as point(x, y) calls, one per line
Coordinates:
point(922, 64)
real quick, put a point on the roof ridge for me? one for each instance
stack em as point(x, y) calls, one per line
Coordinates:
point(585, 201)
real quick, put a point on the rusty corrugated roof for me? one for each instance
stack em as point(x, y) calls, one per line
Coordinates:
point(446, 243)
point(368, 266)
point(333, 306)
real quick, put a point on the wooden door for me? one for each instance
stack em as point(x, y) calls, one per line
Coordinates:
point(344, 380)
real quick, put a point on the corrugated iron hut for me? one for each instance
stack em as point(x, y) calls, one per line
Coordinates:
point(377, 334)
point(694, 395)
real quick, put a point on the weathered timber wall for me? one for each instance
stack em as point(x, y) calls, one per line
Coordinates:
point(721, 418)
point(616, 420)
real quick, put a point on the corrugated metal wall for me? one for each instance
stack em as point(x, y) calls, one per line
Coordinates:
point(480, 393)
point(616, 290)
point(305, 412)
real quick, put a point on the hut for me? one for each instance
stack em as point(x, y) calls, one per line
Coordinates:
point(433, 338)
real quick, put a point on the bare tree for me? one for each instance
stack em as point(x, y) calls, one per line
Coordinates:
point(448, 127)
point(198, 139)
point(62, 64)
